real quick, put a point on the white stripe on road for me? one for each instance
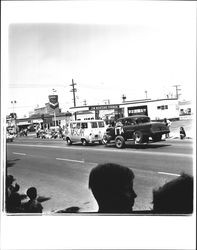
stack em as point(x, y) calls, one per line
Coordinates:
point(135, 151)
point(62, 159)
point(169, 173)
point(15, 153)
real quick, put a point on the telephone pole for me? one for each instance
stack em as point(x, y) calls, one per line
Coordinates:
point(73, 90)
point(74, 98)
point(177, 91)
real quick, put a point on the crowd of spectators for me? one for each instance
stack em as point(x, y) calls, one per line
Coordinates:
point(19, 203)
point(112, 187)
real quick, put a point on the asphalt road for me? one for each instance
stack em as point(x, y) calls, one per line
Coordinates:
point(60, 172)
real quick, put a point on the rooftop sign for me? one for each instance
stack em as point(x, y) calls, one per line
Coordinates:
point(103, 107)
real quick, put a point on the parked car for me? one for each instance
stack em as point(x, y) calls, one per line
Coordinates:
point(138, 128)
point(84, 131)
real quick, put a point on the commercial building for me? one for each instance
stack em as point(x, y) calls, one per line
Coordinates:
point(156, 109)
point(51, 116)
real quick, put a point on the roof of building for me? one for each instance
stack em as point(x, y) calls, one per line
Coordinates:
point(126, 103)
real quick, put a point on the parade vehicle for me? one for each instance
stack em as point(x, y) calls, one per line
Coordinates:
point(87, 131)
point(138, 128)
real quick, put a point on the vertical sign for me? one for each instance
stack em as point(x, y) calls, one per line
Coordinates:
point(53, 101)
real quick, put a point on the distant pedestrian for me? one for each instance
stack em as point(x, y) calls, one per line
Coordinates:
point(168, 124)
point(182, 133)
point(112, 187)
point(33, 205)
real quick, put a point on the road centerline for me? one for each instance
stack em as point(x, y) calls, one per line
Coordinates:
point(16, 153)
point(71, 160)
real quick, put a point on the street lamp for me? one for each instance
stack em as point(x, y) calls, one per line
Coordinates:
point(146, 93)
point(13, 102)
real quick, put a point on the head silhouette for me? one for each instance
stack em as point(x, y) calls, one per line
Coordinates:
point(175, 197)
point(32, 193)
point(112, 187)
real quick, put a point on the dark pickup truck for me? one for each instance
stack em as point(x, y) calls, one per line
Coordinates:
point(138, 128)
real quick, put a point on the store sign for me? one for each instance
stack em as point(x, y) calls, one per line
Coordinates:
point(104, 107)
point(53, 101)
point(138, 110)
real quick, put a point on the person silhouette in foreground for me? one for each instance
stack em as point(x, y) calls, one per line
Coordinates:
point(12, 195)
point(174, 197)
point(112, 187)
point(15, 205)
point(32, 206)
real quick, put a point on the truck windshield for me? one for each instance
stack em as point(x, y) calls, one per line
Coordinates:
point(142, 120)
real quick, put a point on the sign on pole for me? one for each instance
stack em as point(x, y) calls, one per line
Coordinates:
point(53, 101)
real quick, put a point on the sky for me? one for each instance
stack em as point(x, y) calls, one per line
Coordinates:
point(108, 49)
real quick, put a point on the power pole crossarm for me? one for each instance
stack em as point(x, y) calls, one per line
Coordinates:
point(177, 90)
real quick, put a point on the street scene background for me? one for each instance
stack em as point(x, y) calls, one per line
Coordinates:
point(134, 57)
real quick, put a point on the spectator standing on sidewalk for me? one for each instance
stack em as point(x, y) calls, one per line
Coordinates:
point(168, 124)
point(182, 133)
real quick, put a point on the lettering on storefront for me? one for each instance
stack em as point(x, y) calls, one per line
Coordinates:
point(104, 107)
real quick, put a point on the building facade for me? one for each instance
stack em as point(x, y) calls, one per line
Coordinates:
point(155, 109)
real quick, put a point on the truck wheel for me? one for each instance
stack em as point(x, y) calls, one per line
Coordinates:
point(156, 138)
point(138, 137)
point(119, 142)
point(84, 142)
point(69, 142)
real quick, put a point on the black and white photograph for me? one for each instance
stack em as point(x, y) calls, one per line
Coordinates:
point(98, 124)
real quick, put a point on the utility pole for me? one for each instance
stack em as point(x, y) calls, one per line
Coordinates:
point(73, 90)
point(177, 91)
point(74, 98)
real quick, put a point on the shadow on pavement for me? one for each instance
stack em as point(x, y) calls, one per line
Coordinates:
point(11, 163)
point(69, 210)
point(42, 198)
point(140, 146)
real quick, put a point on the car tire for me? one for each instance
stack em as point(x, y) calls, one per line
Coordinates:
point(138, 137)
point(84, 142)
point(69, 142)
point(156, 138)
point(120, 142)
